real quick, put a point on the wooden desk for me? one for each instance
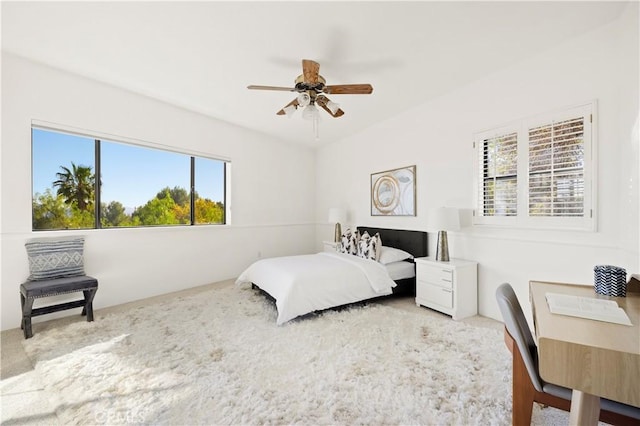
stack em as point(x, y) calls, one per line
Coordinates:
point(594, 358)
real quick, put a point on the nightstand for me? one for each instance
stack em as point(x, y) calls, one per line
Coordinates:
point(449, 287)
point(329, 245)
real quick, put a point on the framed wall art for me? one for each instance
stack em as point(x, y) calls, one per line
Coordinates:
point(393, 192)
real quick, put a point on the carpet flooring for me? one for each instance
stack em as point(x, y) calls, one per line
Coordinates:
point(216, 356)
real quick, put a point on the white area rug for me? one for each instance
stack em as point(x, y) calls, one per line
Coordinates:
point(217, 357)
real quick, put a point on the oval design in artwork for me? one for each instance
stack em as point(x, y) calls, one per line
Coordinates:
point(386, 194)
point(393, 192)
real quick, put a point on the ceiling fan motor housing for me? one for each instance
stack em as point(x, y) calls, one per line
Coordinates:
point(303, 86)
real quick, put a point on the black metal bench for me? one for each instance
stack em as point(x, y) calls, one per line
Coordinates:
point(31, 290)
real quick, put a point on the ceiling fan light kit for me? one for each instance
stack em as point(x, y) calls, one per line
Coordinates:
point(333, 107)
point(304, 99)
point(310, 112)
point(289, 110)
point(310, 86)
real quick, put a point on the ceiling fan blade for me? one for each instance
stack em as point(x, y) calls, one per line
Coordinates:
point(294, 102)
point(322, 101)
point(349, 89)
point(282, 89)
point(310, 70)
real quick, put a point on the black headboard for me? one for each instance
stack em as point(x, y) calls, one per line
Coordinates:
point(414, 242)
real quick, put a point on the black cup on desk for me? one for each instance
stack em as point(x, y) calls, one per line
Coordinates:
point(610, 280)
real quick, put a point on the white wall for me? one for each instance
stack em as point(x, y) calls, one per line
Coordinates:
point(272, 190)
point(137, 263)
point(437, 138)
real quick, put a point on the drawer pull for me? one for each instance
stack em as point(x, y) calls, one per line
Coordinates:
point(446, 290)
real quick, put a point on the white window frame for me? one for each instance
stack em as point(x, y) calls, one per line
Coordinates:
point(586, 222)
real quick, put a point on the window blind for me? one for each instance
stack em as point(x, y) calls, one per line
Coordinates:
point(556, 168)
point(498, 158)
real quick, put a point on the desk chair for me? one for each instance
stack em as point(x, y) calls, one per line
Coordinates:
point(528, 386)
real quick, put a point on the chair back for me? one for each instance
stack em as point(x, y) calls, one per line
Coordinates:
point(518, 328)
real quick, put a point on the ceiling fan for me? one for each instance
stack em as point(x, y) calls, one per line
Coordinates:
point(311, 87)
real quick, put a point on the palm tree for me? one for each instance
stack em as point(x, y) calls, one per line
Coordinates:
point(77, 186)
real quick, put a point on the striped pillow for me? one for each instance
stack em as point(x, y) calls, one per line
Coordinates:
point(55, 258)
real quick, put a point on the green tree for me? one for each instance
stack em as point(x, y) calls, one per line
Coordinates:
point(158, 211)
point(77, 186)
point(113, 214)
point(52, 212)
point(208, 211)
point(49, 211)
point(183, 213)
point(80, 218)
point(179, 195)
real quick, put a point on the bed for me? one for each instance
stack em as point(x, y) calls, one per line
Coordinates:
point(308, 283)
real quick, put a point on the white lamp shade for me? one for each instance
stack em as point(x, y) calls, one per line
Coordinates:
point(444, 219)
point(337, 215)
point(304, 99)
point(289, 110)
point(310, 112)
point(333, 107)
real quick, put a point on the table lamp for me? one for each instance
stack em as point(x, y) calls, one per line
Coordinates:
point(444, 219)
point(337, 215)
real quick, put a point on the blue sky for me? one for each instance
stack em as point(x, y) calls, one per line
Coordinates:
point(131, 175)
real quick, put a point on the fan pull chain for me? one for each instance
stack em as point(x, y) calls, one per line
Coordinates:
point(316, 128)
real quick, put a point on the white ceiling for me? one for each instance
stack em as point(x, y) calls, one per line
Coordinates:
point(202, 55)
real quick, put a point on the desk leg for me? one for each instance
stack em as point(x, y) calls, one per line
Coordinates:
point(585, 409)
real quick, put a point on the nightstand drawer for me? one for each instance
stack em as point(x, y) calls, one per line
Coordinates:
point(435, 294)
point(449, 287)
point(435, 275)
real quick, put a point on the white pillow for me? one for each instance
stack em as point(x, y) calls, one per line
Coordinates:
point(401, 270)
point(392, 254)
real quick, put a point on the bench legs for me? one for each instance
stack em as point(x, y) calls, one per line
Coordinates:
point(27, 306)
point(28, 312)
point(88, 303)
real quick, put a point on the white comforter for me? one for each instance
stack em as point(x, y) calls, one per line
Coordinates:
point(307, 283)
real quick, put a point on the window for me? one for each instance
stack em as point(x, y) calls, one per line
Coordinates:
point(63, 178)
point(499, 163)
point(537, 172)
point(556, 168)
point(138, 186)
